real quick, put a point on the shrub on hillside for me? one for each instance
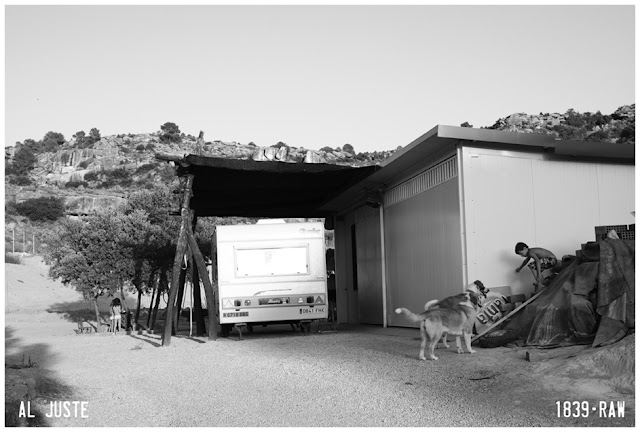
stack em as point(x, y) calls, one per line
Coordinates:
point(84, 164)
point(24, 161)
point(20, 180)
point(76, 184)
point(42, 209)
point(146, 168)
point(92, 176)
point(11, 258)
point(170, 133)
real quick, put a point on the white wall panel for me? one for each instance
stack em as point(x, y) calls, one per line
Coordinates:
point(616, 194)
point(511, 197)
point(499, 212)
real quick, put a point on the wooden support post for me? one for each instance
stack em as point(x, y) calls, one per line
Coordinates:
point(181, 248)
point(181, 288)
point(212, 297)
point(198, 315)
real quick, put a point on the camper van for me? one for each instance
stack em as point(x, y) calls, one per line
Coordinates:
point(271, 272)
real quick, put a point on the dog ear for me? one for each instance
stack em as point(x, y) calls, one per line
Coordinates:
point(481, 287)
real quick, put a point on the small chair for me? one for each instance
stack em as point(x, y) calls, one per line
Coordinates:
point(82, 328)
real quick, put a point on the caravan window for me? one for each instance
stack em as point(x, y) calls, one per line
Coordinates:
point(272, 261)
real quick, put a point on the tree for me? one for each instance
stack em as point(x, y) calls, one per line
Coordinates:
point(52, 141)
point(170, 133)
point(100, 255)
point(24, 161)
point(348, 148)
point(95, 135)
point(42, 209)
point(80, 138)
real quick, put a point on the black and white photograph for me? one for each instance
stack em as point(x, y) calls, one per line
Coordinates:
point(319, 214)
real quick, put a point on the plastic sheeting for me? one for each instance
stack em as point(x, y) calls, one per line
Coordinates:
point(591, 301)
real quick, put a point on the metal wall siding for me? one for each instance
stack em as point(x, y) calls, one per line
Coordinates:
point(522, 197)
point(369, 271)
point(426, 180)
point(423, 249)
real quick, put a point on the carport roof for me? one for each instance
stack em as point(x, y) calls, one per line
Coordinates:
point(232, 187)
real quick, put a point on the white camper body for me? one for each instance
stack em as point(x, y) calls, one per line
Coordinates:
point(271, 272)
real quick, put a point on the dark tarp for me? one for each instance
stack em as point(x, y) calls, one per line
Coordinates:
point(591, 301)
point(232, 187)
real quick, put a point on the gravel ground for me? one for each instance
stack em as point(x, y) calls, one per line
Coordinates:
point(360, 376)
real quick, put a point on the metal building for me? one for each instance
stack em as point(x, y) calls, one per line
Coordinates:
point(449, 208)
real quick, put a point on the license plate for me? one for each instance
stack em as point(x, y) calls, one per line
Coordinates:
point(311, 311)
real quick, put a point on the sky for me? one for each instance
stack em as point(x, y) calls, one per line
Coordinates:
point(376, 77)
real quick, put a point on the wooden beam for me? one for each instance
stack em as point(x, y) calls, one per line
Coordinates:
point(198, 315)
point(210, 292)
point(479, 335)
point(181, 249)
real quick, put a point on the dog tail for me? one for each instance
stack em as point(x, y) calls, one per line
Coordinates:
point(430, 303)
point(410, 315)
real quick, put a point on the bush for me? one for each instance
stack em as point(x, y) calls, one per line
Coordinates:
point(170, 133)
point(11, 258)
point(91, 176)
point(326, 149)
point(24, 161)
point(76, 184)
point(84, 164)
point(117, 174)
point(42, 209)
point(140, 147)
point(150, 147)
point(146, 168)
point(20, 180)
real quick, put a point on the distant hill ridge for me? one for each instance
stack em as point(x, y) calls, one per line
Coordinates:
point(94, 172)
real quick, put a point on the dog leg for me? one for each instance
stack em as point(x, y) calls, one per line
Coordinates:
point(459, 345)
point(423, 343)
point(467, 342)
point(444, 340)
point(432, 346)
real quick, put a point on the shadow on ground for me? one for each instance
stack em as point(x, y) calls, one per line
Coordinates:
point(28, 377)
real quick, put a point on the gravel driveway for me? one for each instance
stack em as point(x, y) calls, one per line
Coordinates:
point(359, 376)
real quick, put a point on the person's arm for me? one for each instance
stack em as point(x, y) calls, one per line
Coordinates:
point(526, 260)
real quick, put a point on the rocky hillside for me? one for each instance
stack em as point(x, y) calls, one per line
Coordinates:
point(98, 174)
point(616, 127)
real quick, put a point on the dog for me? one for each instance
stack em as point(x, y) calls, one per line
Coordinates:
point(456, 320)
point(476, 287)
point(477, 291)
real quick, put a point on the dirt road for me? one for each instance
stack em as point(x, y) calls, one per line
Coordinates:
point(359, 376)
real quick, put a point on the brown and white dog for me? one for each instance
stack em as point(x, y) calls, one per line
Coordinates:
point(477, 291)
point(436, 322)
